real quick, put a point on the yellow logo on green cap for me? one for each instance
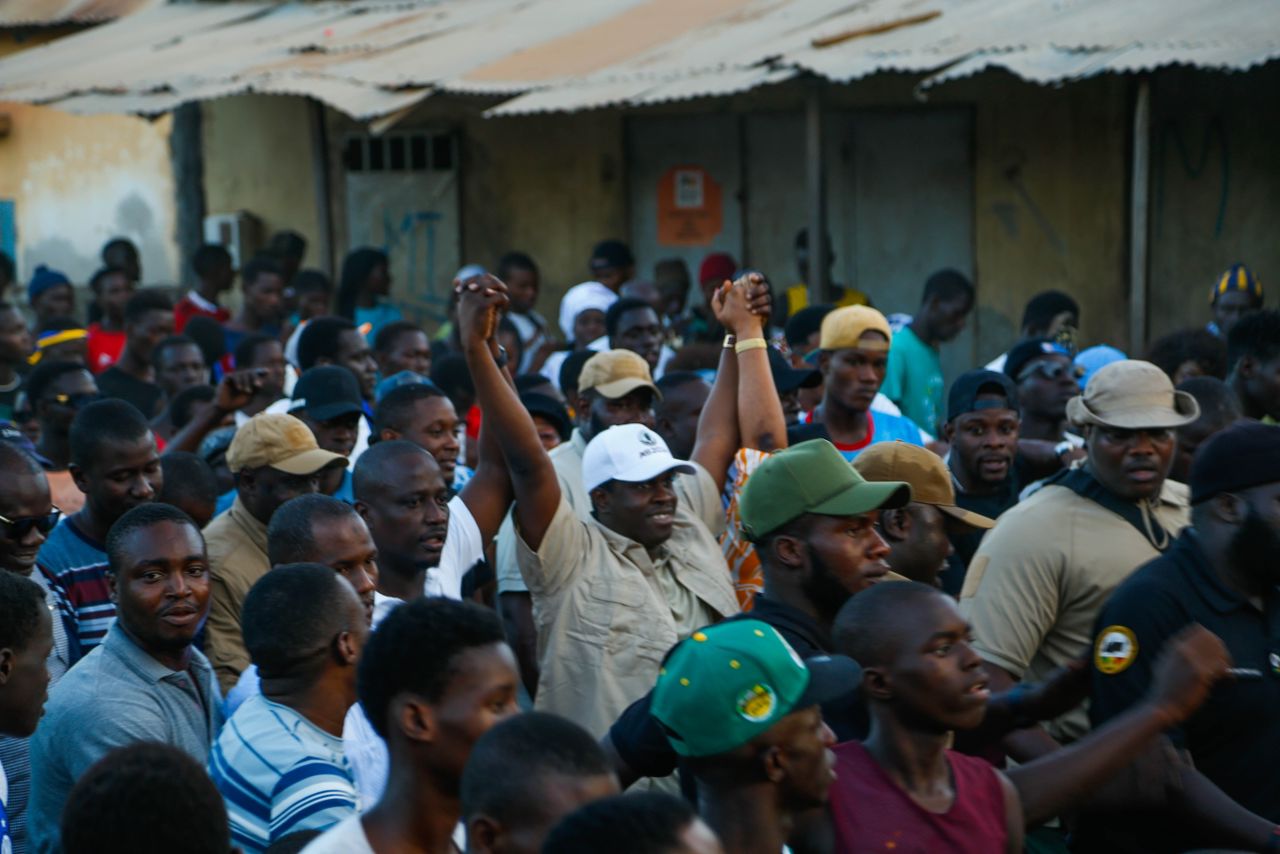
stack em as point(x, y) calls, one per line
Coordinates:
point(757, 703)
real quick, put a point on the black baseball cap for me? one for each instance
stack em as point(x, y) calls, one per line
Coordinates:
point(787, 378)
point(1031, 348)
point(611, 253)
point(550, 409)
point(1244, 455)
point(327, 392)
point(963, 398)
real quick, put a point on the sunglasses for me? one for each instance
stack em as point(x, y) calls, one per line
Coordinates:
point(75, 401)
point(1052, 371)
point(17, 529)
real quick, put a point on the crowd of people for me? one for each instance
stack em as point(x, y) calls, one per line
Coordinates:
point(702, 567)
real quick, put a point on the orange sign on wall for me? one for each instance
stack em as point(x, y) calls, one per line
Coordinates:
point(690, 209)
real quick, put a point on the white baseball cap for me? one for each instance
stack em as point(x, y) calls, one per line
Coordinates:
point(631, 453)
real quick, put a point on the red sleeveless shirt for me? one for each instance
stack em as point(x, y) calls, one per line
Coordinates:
point(871, 813)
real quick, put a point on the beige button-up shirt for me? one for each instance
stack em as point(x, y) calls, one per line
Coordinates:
point(237, 544)
point(608, 610)
point(1039, 580)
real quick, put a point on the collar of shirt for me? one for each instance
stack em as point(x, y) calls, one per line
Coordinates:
point(119, 645)
point(202, 303)
point(633, 551)
point(578, 442)
point(1189, 554)
point(254, 531)
point(801, 630)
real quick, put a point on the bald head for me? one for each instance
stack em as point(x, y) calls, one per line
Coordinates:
point(874, 626)
point(386, 462)
point(15, 462)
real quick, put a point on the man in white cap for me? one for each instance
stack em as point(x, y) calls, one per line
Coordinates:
point(1041, 576)
point(613, 592)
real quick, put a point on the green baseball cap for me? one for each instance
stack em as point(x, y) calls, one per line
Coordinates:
point(811, 477)
point(731, 682)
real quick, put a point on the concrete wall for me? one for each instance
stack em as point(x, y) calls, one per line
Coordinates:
point(79, 181)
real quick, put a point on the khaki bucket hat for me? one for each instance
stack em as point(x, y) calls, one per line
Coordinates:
point(1132, 395)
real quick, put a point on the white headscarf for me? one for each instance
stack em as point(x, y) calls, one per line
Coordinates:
point(580, 298)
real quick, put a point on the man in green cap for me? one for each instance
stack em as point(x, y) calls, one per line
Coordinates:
point(741, 706)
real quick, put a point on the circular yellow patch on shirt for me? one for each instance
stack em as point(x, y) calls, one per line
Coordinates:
point(1115, 650)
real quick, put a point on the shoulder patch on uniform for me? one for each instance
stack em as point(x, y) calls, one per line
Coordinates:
point(1115, 650)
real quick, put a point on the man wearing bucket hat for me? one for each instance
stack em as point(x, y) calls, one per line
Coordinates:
point(1040, 577)
point(742, 707)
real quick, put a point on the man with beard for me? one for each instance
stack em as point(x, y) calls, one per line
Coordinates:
point(1222, 573)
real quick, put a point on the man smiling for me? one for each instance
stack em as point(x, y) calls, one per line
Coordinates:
point(147, 682)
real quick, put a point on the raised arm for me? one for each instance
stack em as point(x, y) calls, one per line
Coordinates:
point(533, 479)
point(762, 425)
point(488, 494)
point(234, 391)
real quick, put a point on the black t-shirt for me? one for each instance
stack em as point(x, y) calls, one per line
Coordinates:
point(147, 397)
point(642, 744)
point(991, 506)
point(1233, 738)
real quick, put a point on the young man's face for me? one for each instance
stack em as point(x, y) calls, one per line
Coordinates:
point(24, 681)
point(853, 376)
point(434, 426)
point(57, 301)
point(643, 512)
point(1228, 308)
point(180, 367)
point(984, 442)
point(548, 435)
point(337, 434)
point(269, 358)
point(935, 679)
point(677, 422)
point(63, 398)
point(347, 546)
point(148, 331)
point(1131, 463)
point(1262, 384)
point(313, 304)
point(640, 331)
point(481, 695)
point(1190, 438)
point(803, 743)
point(114, 290)
point(25, 496)
point(846, 555)
point(122, 475)
point(587, 327)
point(15, 339)
point(408, 515)
point(354, 354)
point(161, 589)
point(522, 288)
point(946, 318)
point(264, 297)
point(1046, 384)
point(922, 553)
point(410, 351)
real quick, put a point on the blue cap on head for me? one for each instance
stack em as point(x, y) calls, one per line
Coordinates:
point(1096, 358)
point(396, 380)
point(44, 279)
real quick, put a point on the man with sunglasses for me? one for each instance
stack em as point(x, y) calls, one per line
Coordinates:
point(27, 515)
point(1041, 576)
point(1046, 379)
point(56, 391)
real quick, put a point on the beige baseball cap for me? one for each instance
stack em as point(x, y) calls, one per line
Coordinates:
point(1132, 395)
point(843, 328)
point(281, 442)
point(927, 474)
point(616, 373)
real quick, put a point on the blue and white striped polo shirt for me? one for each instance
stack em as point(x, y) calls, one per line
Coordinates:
point(279, 773)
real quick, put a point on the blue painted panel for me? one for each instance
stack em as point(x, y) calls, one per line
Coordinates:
point(8, 228)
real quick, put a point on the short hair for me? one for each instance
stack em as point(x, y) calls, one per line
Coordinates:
point(529, 382)
point(187, 477)
point(373, 465)
point(136, 519)
point(119, 244)
point(294, 843)
point(319, 340)
point(864, 628)
point(46, 374)
point(396, 407)
point(290, 614)
point(289, 535)
point(209, 336)
point(1042, 308)
point(641, 823)
point(388, 335)
point(571, 370)
point(259, 266)
point(1218, 403)
point(515, 261)
point(805, 322)
point(95, 281)
point(1256, 334)
point(110, 420)
point(613, 316)
point(184, 401)
point(207, 258)
point(171, 342)
point(415, 649)
point(509, 764)
point(144, 302)
point(126, 800)
point(452, 376)
point(311, 281)
point(287, 244)
point(946, 285)
point(1190, 345)
point(21, 604)
point(247, 349)
point(672, 381)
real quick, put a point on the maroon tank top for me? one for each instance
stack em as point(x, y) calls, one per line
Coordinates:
point(871, 813)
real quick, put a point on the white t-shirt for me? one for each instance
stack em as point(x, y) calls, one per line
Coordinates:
point(463, 548)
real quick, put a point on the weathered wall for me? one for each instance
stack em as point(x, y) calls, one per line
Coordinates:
point(78, 181)
point(1215, 188)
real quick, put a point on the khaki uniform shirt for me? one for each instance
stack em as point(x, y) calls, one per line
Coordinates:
point(608, 611)
point(1041, 576)
point(237, 544)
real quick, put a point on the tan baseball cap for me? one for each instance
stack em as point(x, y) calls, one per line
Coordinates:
point(924, 470)
point(616, 373)
point(281, 442)
point(1132, 395)
point(843, 328)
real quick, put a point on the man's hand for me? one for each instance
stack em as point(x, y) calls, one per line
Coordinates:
point(480, 301)
point(1066, 688)
point(731, 304)
point(1186, 670)
point(237, 389)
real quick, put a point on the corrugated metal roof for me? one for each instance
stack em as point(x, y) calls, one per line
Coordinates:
point(28, 13)
point(369, 58)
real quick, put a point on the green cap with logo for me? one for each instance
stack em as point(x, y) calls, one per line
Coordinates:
point(731, 682)
point(811, 477)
